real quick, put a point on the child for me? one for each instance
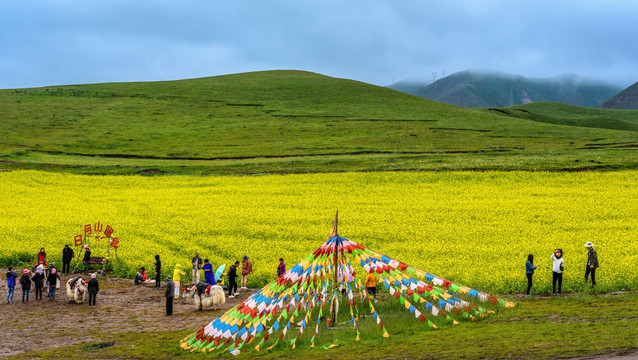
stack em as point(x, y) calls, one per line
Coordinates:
point(209, 276)
point(11, 283)
point(170, 292)
point(558, 264)
point(52, 280)
point(38, 281)
point(25, 281)
point(93, 288)
point(232, 282)
point(177, 276)
point(246, 269)
point(529, 271)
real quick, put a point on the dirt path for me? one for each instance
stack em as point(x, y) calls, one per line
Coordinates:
point(121, 307)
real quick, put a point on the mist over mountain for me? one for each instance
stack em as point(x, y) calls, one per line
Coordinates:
point(492, 89)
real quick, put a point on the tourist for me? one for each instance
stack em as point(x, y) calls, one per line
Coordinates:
point(371, 284)
point(38, 281)
point(92, 288)
point(170, 292)
point(246, 269)
point(52, 281)
point(197, 264)
point(232, 282)
point(158, 271)
point(177, 276)
point(25, 282)
point(141, 276)
point(209, 275)
point(51, 266)
point(41, 258)
point(87, 258)
point(281, 269)
point(67, 256)
point(11, 283)
point(529, 270)
point(592, 263)
point(558, 264)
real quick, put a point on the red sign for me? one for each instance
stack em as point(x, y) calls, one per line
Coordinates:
point(108, 231)
point(87, 229)
point(77, 240)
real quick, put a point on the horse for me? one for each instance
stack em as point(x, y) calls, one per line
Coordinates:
point(207, 296)
point(76, 290)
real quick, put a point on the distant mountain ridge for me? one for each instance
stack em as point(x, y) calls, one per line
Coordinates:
point(626, 99)
point(479, 89)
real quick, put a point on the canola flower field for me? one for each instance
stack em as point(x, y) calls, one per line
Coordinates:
point(473, 228)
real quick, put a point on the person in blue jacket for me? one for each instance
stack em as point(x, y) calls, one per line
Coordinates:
point(529, 271)
point(209, 274)
point(11, 283)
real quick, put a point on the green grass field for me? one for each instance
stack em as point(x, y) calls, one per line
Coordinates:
point(295, 122)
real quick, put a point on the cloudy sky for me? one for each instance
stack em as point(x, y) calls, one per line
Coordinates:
point(49, 42)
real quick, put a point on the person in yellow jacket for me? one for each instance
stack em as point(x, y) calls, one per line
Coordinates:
point(371, 284)
point(177, 276)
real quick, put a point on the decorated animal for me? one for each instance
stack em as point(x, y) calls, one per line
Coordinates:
point(207, 296)
point(76, 290)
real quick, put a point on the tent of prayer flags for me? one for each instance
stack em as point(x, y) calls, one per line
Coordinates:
point(302, 298)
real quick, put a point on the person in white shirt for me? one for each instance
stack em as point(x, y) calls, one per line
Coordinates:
point(558, 264)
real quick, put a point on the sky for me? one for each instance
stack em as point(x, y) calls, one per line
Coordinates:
point(49, 42)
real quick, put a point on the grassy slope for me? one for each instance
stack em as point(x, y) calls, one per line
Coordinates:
point(280, 121)
point(580, 325)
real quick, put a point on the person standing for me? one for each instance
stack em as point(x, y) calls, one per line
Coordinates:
point(38, 281)
point(371, 284)
point(232, 280)
point(558, 264)
point(93, 288)
point(209, 275)
point(158, 271)
point(177, 275)
point(246, 269)
point(52, 280)
point(197, 264)
point(11, 283)
point(592, 263)
point(281, 269)
point(170, 292)
point(87, 258)
point(25, 282)
point(529, 271)
point(67, 256)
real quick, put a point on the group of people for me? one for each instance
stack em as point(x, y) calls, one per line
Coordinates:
point(39, 279)
point(558, 266)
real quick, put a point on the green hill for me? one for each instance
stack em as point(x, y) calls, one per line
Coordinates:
point(290, 122)
point(476, 89)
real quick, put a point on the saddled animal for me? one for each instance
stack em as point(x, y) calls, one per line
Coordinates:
point(76, 289)
point(207, 296)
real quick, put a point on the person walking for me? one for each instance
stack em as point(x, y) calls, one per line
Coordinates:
point(232, 280)
point(558, 264)
point(38, 281)
point(197, 264)
point(246, 269)
point(52, 280)
point(25, 282)
point(93, 288)
point(67, 256)
point(529, 271)
point(169, 294)
point(177, 276)
point(87, 258)
point(281, 269)
point(371, 284)
point(158, 271)
point(11, 283)
point(592, 263)
point(209, 274)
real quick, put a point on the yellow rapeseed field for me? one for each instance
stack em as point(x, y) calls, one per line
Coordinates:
point(472, 228)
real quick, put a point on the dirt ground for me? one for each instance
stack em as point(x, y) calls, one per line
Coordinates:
point(121, 307)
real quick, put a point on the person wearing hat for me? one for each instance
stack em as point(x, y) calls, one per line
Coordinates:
point(592, 263)
point(38, 281)
point(169, 294)
point(92, 288)
point(25, 282)
point(246, 269)
point(177, 275)
point(67, 256)
point(86, 258)
point(52, 281)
